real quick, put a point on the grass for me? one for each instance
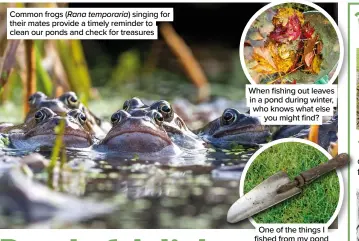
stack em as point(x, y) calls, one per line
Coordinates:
point(317, 202)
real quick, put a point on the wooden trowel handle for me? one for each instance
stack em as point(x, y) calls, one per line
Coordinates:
point(312, 174)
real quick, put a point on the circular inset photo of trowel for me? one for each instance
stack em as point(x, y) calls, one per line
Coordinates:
point(290, 181)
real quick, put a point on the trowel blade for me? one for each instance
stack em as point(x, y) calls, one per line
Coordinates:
point(261, 198)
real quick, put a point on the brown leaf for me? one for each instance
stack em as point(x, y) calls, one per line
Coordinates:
point(319, 47)
point(309, 58)
point(309, 45)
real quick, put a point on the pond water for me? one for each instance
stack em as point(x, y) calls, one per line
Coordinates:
point(194, 190)
point(191, 191)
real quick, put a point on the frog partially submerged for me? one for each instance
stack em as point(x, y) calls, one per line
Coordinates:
point(234, 128)
point(141, 133)
point(43, 134)
point(98, 126)
point(173, 124)
point(61, 105)
point(36, 101)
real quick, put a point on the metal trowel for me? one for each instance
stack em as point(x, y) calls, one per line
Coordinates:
point(278, 188)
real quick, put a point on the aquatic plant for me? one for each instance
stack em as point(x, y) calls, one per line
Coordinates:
point(58, 151)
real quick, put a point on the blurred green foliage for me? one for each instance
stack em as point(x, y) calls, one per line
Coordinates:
point(130, 77)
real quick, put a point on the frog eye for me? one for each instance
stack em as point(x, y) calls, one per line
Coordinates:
point(115, 118)
point(82, 118)
point(72, 100)
point(126, 105)
point(158, 118)
point(34, 97)
point(31, 100)
point(228, 117)
point(78, 115)
point(39, 116)
point(166, 110)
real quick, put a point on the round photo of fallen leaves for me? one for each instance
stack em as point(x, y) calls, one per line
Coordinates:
point(291, 43)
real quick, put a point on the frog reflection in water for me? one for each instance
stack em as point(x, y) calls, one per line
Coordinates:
point(43, 133)
point(139, 133)
point(173, 124)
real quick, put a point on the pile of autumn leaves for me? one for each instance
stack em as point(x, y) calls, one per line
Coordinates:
point(292, 45)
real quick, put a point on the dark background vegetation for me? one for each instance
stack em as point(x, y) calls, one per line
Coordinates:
point(121, 69)
point(212, 30)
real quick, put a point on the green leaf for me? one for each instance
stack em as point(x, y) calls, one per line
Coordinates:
point(43, 78)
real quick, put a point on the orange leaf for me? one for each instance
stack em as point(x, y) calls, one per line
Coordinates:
point(273, 58)
point(265, 61)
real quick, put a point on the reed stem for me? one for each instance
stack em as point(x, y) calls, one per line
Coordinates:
point(187, 60)
point(30, 60)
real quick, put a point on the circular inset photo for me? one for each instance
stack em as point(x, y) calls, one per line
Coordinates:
point(291, 43)
point(272, 190)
